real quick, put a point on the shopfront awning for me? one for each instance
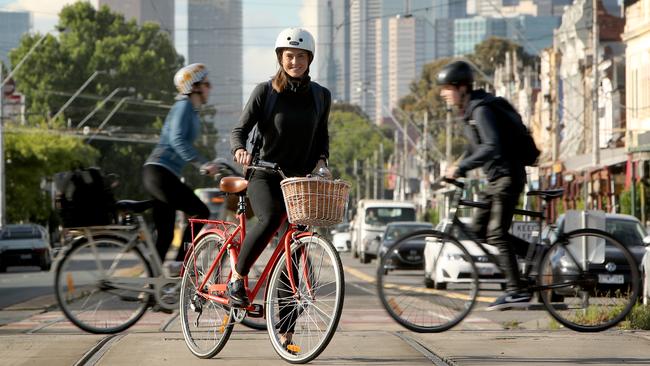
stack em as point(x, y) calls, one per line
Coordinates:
point(608, 157)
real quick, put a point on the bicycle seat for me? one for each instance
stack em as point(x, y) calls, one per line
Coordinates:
point(133, 206)
point(547, 194)
point(233, 184)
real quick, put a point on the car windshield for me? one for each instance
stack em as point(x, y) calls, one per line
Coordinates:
point(395, 232)
point(628, 232)
point(384, 215)
point(22, 233)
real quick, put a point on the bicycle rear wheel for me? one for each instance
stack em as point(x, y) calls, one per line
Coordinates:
point(96, 285)
point(441, 260)
point(591, 280)
point(313, 312)
point(206, 324)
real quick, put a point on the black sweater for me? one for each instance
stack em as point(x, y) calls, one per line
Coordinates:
point(294, 137)
point(489, 141)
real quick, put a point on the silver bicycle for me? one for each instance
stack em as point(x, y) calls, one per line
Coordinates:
point(109, 275)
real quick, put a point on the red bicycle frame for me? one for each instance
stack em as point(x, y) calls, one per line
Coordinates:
point(231, 244)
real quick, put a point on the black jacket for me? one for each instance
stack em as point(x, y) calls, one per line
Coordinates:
point(295, 137)
point(489, 140)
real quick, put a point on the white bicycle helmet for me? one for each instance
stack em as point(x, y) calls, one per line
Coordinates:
point(188, 75)
point(295, 38)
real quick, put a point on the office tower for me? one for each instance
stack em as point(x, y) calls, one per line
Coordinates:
point(333, 47)
point(157, 11)
point(13, 24)
point(215, 39)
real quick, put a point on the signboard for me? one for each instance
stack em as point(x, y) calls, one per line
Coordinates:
point(527, 230)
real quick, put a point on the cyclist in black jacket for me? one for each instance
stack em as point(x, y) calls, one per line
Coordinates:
point(506, 175)
point(295, 136)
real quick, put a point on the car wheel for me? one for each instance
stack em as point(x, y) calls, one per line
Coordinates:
point(439, 285)
point(503, 286)
point(355, 253)
point(428, 282)
point(3, 268)
point(364, 258)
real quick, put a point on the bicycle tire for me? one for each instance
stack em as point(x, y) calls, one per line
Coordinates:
point(104, 310)
point(321, 287)
point(205, 336)
point(406, 298)
point(589, 303)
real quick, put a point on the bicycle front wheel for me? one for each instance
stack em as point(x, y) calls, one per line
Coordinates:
point(424, 259)
point(590, 281)
point(99, 285)
point(312, 313)
point(206, 324)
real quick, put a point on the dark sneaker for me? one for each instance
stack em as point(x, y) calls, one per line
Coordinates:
point(510, 300)
point(237, 293)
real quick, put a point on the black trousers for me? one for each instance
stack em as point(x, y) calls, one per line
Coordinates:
point(267, 201)
point(170, 195)
point(493, 224)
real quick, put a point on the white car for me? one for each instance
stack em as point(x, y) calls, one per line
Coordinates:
point(341, 237)
point(445, 264)
point(25, 245)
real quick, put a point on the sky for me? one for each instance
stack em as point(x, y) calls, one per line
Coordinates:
point(259, 60)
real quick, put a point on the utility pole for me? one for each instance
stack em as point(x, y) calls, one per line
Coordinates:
point(424, 193)
point(375, 178)
point(3, 217)
point(596, 85)
point(404, 161)
point(381, 168)
point(366, 169)
point(448, 138)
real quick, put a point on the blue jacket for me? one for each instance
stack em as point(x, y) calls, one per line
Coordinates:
point(175, 150)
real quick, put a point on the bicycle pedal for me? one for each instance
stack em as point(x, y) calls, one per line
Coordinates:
point(255, 311)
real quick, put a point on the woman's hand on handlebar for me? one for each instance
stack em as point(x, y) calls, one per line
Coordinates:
point(243, 157)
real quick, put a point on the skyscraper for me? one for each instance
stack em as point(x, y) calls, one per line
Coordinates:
point(333, 47)
point(157, 11)
point(215, 39)
point(12, 27)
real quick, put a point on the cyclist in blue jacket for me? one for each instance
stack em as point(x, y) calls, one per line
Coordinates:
point(162, 170)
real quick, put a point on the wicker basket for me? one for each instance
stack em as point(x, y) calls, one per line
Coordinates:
point(315, 201)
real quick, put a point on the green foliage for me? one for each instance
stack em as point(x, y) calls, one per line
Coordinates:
point(141, 60)
point(32, 155)
point(639, 318)
point(353, 136)
point(492, 52)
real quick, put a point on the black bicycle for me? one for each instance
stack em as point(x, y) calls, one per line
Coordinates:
point(586, 279)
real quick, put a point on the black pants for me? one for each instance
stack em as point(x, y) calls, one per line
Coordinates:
point(493, 223)
point(170, 195)
point(267, 201)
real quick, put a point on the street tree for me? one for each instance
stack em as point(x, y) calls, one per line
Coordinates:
point(354, 137)
point(492, 52)
point(31, 156)
point(140, 60)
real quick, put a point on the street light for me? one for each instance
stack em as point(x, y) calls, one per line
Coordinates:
point(82, 87)
point(101, 104)
point(105, 121)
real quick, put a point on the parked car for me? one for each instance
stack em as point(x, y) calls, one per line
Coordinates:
point(341, 237)
point(410, 254)
point(370, 221)
point(25, 245)
point(611, 271)
point(445, 264)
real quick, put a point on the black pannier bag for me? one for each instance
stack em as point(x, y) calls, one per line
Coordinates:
point(83, 198)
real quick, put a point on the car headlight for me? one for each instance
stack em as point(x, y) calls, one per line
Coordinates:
point(456, 257)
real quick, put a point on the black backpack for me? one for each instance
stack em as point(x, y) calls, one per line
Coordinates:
point(83, 198)
point(254, 141)
point(523, 147)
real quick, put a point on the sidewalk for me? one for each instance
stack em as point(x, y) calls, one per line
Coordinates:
point(557, 348)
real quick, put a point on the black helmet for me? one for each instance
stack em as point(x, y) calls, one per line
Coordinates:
point(456, 73)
